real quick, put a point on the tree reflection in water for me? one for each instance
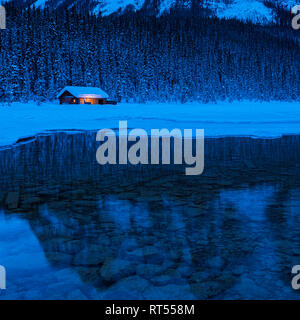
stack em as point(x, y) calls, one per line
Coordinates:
point(153, 233)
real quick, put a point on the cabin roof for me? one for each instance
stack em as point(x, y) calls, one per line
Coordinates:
point(84, 92)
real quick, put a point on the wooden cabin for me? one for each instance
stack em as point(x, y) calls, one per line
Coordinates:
point(83, 95)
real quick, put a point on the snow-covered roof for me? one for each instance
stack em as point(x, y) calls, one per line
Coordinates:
point(84, 92)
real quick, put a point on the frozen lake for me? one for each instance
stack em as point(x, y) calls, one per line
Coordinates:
point(239, 118)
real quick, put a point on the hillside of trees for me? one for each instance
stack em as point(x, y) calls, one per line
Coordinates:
point(139, 58)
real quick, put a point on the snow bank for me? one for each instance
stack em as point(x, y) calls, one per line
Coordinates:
point(253, 10)
point(224, 119)
point(109, 7)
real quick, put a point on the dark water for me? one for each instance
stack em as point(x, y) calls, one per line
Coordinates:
point(71, 229)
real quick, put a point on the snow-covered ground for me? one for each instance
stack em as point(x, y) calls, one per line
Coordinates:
point(254, 10)
point(268, 119)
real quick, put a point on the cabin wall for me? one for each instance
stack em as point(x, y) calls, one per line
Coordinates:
point(68, 100)
point(92, 101)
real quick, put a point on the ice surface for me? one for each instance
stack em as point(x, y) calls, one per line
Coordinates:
point(267, 119)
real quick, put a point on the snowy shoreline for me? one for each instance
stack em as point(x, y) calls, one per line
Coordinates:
point(256, 119)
